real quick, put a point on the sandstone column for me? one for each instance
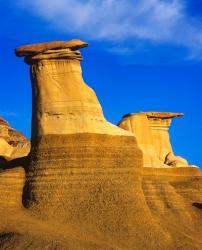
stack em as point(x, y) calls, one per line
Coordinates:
point(159, 123)
point(151, 130)
point(62, 102)
point(138, 124)
point(84, 171)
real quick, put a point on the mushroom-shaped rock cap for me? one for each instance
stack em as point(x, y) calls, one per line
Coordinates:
point(160, 115)
point(33, 49)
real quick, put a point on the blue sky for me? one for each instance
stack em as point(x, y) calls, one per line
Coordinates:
point(144, 55)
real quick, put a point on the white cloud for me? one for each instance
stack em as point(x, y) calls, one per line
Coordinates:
point(7, 113)
point(162, 21)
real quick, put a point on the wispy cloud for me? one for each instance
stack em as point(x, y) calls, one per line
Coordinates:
point(155, 21)
point(5, 113)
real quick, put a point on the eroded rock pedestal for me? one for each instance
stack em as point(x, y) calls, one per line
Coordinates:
point(171, 187)
point(151, 130)
point(84, 172)
point(85, 186)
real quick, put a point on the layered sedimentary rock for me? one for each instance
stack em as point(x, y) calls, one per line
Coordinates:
point(171, 188)
point(83, 171)
point(86, 187)
point(151, 130)
point(11, 188)
point(13, 144)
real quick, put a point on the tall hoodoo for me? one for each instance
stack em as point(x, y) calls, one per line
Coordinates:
point(87, 183)
point(84, 171)
point(62, 102)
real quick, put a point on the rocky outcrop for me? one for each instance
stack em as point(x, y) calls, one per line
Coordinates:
point(39, 48)
point(14, 147)
point(13, 144)
point(85, 185)
point(171, 187)
point(151, 130)
point(83, 171)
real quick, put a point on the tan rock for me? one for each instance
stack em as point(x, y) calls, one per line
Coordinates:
point(11, 187)
point(159, 124)
point(12, 143)
point(139, 125)
point(6, 150)
point(86, 187)
point(63, 103)
point(33, 49)
point(84, 171)
point(151, 131)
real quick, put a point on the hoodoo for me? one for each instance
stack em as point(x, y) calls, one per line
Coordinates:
point(171, 187)
point(91, 185)
point(62, 102)
point(151, 130)
point(83, 171)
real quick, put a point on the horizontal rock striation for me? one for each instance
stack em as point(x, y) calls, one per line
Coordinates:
point(11, 188)
point(39, 48)
point(89, 184)
point(170, 204)
point(80, 162)
point(83, 171)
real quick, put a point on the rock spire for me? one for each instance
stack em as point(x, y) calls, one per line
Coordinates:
point(151, 130)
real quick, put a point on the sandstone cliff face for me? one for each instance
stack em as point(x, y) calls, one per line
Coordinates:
point(85, 185)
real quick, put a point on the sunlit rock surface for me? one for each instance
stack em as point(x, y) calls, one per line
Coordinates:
point(11, 185)
point(13, 144)
point(151, 130)
point(86, 186)
point(13, 148)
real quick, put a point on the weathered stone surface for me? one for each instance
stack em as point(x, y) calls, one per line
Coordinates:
point(86, 187)
point(63, 103)
point(33, 49)
point(140, 127)
point(11, 187)
point(159, 125)
point(81, 171)
point(162, 115)
point(77, 158)
point(13, 144)
point(151, 131)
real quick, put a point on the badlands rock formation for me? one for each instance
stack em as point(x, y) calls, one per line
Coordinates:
point(13, 148)
point(12, 143)
point(151, 130)
point(85, 186)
